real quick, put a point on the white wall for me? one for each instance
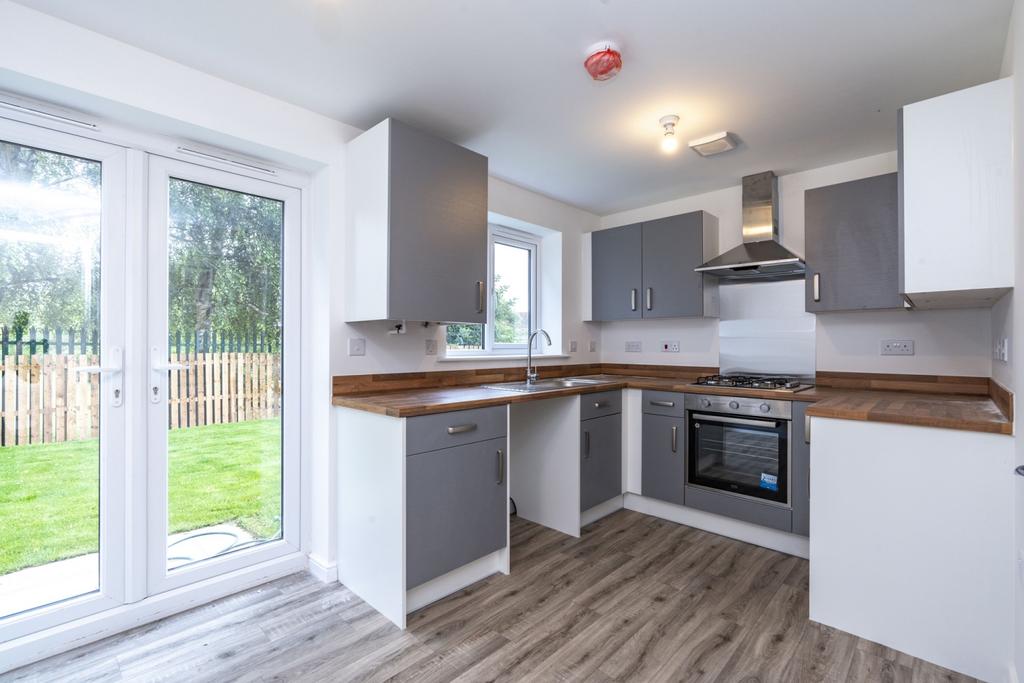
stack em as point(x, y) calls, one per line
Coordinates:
point(947, 342)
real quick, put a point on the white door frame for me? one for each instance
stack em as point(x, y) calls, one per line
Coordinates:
point(112, 418)
point(161, 169)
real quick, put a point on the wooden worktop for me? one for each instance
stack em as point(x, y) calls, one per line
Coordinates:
point(965, 403)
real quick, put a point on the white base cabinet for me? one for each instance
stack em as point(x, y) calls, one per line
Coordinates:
point(911, 541)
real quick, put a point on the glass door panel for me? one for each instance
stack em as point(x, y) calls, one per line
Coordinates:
point(219, 374)
point(60, 444)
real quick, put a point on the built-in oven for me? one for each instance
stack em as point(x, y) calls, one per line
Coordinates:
point(739, 446)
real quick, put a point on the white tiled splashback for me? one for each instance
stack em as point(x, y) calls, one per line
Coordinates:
point(765, 330)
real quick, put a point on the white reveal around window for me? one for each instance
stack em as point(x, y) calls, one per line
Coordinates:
point(512, 265)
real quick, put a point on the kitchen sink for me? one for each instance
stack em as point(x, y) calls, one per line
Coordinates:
point(547, 384)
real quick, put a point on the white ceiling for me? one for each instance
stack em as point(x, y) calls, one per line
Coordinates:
point(803, 83)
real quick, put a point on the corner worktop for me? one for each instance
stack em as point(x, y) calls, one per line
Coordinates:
point(917, 401)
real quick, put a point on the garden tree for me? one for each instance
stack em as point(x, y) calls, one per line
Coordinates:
point(506, 321)
point(224, 261)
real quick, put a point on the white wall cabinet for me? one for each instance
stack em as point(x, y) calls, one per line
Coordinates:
point(416, 215)
point(956, 197)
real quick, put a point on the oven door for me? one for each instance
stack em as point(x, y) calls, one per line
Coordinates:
point(741, 455)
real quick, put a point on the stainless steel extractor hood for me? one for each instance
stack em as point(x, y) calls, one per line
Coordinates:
point(760, 257)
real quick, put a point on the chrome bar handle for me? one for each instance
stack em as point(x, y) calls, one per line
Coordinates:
point(675, 438)
point(632, 299)
point(479, 296)
point(817, 286)
point(663, 404)
point(650, 297)
point(461, 429)
point(586, 444)
point(600, 404)
point(807, 428)
point(501, 467)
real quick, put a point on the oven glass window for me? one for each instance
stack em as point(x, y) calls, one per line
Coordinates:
point(740, 458)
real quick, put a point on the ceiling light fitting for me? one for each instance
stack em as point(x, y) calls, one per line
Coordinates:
point(669, 143)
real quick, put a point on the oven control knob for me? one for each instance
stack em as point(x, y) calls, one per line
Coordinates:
point(705, 402)
point(734, 404)
point(764, 408)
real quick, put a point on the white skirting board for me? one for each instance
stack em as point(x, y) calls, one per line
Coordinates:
point(784, 542)
point(457, 579)
point(600, 510)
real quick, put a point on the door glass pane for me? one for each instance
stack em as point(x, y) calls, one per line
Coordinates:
point(224, 465)
point(742, 459)
point(49, 412)
point(511, 294)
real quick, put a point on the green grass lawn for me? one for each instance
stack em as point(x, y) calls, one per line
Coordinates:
point(217, 473)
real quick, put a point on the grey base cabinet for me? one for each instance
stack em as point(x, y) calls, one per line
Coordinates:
point(456, 507)
point(800, 470)
point(600, 460)
point(663, 457)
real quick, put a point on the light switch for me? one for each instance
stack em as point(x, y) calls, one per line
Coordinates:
point(356, 346)
point(431, 347)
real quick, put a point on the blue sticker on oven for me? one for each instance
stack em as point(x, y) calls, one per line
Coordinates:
point(769, 481)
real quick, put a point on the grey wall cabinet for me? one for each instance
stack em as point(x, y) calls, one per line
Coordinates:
point(600, 459)
point(456, 507)
point(416, 212)
point(617, 273)
point(646, 270)
point(852, 245)
point(663, 457)
point(800, 470)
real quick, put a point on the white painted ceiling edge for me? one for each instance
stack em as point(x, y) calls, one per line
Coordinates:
point(803, 85)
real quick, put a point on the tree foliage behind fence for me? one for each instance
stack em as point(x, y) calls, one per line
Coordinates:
point(44, 399)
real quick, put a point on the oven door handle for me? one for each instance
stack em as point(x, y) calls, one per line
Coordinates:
point(735, 420)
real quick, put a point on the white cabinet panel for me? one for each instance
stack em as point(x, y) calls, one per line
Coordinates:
point(956, 176)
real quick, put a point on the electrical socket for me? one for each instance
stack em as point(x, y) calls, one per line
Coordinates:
point(897, 347)
point(593, 346)
point(1001, 351)
point(633, 347)
point(670, 346)
point(572, 346)
point(356, 346)
point(430, 347)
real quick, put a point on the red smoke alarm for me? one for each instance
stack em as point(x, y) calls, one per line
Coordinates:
point(603, 61)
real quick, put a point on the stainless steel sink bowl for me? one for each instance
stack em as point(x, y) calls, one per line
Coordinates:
point(546, 384)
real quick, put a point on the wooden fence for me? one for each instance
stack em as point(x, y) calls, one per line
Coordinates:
point(44, 399)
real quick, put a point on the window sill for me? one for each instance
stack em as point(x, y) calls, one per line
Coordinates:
point(498, 356)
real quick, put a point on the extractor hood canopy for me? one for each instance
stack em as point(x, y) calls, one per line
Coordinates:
point(760, 257)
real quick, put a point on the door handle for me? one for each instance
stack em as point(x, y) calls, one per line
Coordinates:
point(663, 404)
point(586, 445)
point(479, 296)
point(157, 364)
point(675, 438)
point(116, 368)
point(501, 467)
point(807, 428)
point(600, 404)
point(816, 281)
point(650, 297)
point(461, 429)
point(632, 299)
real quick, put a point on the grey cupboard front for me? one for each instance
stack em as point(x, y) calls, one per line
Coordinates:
point(417, 228)
point(457, 495)
point(646, 270)
point(663, 447)
point(851, 233)
point(600, 459)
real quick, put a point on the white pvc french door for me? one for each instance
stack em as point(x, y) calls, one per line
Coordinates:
point(62, 392)
point(222, 388)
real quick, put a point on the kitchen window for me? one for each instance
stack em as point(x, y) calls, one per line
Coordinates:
point(512, 257)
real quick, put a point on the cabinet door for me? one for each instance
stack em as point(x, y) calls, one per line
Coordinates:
point(616, 273)
point(672, 248)
point(800, 470)
point(456, 508)
point(851, 237)
point(437, 244)
point(663, 458)
point(600, 460)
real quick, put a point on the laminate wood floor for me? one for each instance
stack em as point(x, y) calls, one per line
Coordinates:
point(634, 599)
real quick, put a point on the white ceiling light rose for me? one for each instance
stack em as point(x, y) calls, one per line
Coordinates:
point(669, 142)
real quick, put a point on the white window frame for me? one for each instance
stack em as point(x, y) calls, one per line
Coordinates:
point(500, 234)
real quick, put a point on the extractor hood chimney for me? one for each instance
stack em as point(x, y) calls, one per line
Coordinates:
point(760, 257)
